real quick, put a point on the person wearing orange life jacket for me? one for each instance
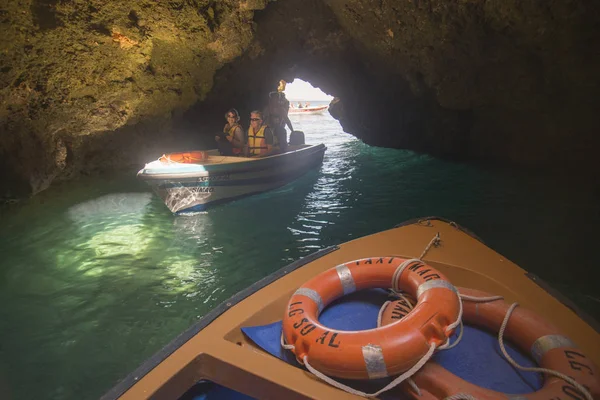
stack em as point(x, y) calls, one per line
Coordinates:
point(231, 141)
point(261, 141)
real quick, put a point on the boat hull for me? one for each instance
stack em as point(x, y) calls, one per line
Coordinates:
point(307, 110)
point(196, 187)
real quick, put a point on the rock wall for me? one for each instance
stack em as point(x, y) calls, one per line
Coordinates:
point(520, 75)
point(89, 85)
point(93, 85)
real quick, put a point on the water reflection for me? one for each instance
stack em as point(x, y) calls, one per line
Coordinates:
point(193, 227)
point(325, 204)
point(109, 235)
point(109, 205)
point(187, 271)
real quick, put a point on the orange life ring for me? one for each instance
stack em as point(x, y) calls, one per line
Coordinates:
point(532, 334)
point(188, 157)
point(393, 311)
point(373, 353)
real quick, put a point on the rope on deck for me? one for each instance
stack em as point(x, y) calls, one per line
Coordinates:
point(435, 241)
point(552, 372)
point(391, 385)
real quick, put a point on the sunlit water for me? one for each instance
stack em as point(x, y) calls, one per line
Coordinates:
point(98, 275)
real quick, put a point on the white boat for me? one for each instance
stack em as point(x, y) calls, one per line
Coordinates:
point(308, 110)
point(192, 181)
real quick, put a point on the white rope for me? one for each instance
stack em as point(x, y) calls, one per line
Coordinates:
point(381, 312)
point(396, 294)
point(399, 271)
point(391, 385)
point(414, 386)
point(446, 346)
point(466, 396)
point(480, 299)
point(455, 323)
point(461, 396)
point(286, 346)
point(396, 277)
point(406, 375)
point(512, 362)
point(168, 159)
point(401, 295)
point(435, 241)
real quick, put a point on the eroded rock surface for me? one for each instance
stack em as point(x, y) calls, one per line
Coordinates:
point(95, 85)
point(519, 76)
point(91, 85)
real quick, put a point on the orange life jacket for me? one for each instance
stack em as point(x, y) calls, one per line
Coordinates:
point(257, 143)
point(230, 134)
point(188, 157)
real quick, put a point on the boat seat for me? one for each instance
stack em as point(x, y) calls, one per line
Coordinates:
point(297, 138)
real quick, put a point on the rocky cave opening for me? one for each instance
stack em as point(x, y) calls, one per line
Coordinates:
point(92, 86)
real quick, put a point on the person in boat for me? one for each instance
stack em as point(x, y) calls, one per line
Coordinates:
point(307, 105)
point(231, 141)
point(277, 124)
point(261, 140)
point(300, 105)
point(277, 117)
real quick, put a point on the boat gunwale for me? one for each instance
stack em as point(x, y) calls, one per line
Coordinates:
point(565, 301)
point(310, 161)
point(548, 288)
point(249, 165)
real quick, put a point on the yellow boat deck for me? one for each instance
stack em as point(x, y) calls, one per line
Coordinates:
point(215, 158)
point(218, 351)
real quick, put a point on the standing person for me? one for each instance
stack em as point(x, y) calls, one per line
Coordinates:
point(231, 142)
point(276, 115)
point(261, 141)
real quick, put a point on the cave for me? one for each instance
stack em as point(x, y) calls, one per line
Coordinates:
point(464, 109)
point(91, 86)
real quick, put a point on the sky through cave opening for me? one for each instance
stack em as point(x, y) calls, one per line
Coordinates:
point(300, 90)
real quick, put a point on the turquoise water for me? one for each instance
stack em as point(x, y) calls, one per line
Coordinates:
point(97, 275)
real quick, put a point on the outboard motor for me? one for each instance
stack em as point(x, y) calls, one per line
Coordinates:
point(296, 138)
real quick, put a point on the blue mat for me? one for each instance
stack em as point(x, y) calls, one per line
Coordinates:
point(207, 390)
point(477, 358)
